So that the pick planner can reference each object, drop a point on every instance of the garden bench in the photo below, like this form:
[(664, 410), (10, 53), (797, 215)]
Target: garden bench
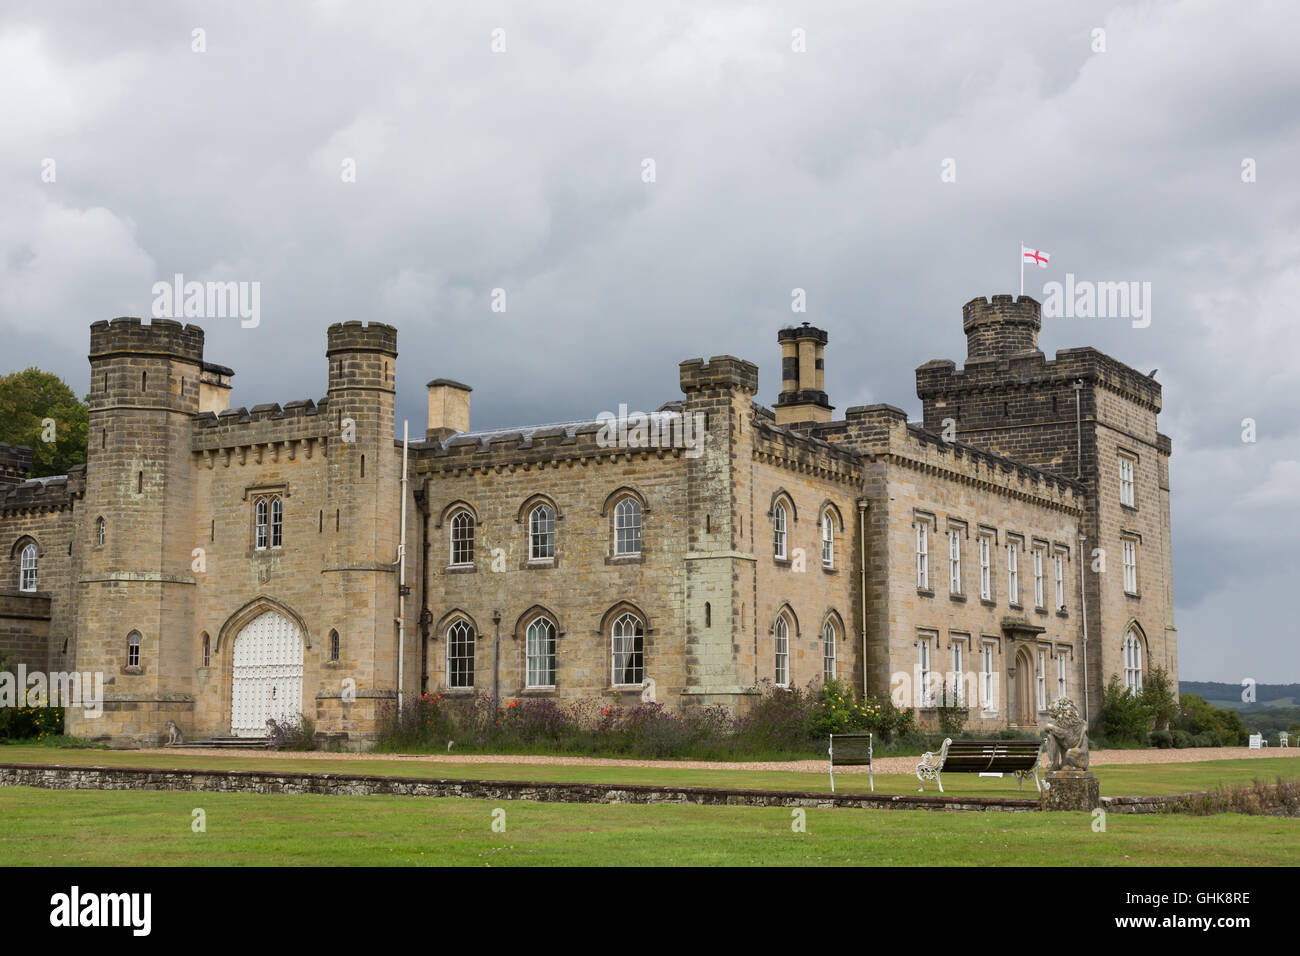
[(851, 750), (1284, 739), (1257, 741), (993, 757)]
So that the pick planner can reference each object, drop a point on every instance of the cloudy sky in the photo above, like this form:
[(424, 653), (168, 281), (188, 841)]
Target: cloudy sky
[(523, 169)]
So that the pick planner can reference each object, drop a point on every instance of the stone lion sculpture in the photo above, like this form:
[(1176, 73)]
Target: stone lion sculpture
[(1067, 737), (174, 736)]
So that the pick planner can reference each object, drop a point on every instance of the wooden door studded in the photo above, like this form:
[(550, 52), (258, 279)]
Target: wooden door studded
[(267, 675)]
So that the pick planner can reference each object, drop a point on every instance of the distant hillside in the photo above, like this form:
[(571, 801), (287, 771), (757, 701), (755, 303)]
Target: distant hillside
[(1229, 695)]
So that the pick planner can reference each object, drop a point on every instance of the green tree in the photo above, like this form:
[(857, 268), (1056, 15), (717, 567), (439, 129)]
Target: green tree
[(1124, 716), (1197, 717), (36, 406), (1158, 696)]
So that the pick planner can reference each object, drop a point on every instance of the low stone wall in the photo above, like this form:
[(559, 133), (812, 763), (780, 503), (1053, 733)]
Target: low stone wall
[(1273, 799), (259, 781)]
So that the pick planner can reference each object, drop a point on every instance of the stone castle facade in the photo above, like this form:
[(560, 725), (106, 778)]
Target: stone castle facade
[(221, 566)]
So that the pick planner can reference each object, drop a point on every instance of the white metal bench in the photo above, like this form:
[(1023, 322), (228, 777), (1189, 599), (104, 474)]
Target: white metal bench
[(985, 757)]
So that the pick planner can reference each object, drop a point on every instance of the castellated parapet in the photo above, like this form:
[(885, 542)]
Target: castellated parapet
[(1001, 327), (15, 463), (131, 336), (721, 371)]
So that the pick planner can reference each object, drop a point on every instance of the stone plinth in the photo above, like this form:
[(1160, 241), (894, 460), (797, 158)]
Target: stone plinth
[(1070, 790)]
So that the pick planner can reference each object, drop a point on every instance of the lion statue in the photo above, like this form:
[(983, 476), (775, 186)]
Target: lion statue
[(1067, 737)]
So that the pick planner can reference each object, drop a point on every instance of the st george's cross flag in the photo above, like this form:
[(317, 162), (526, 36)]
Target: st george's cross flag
[(1031, 255)]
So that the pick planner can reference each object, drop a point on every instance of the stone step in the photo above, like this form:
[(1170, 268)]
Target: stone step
[(228, 743)]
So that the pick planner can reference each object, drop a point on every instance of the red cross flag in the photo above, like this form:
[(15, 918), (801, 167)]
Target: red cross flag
[(1037, 256)]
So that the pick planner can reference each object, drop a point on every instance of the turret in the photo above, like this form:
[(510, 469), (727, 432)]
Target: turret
[(1001, 328), (145, 385)]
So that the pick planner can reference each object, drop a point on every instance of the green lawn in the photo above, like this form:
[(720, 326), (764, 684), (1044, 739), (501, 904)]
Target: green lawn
[(1115, 780), (98, 828)]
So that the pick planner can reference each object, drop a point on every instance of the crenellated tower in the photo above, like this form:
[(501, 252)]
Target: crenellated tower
[(1085, 416), (719, 581), (363, 482), (136, 589)]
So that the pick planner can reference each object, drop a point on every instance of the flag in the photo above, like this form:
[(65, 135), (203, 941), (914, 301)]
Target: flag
[(1034, 255)]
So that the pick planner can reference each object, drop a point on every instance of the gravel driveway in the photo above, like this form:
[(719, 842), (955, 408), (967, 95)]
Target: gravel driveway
[(1100, 758)]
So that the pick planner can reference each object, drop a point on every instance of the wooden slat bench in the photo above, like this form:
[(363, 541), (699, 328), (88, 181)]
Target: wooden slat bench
[(851, 750), (1019, 757)]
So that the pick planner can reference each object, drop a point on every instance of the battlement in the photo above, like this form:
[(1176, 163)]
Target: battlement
[(721, 371), (550, 444), (869, 426), (358, 336), (779, 444), (132, 336), (926, 448), (44, 494), (942, 379), (263, 424), (15, 463), (1001, 327)]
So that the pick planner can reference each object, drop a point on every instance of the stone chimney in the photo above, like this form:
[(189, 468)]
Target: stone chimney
[(214, 388), (803, 376), (448, 409)]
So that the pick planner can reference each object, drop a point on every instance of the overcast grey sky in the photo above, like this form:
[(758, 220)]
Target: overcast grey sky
[(774, 170)]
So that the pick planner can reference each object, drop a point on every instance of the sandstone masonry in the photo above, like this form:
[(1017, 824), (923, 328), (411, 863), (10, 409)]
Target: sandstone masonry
[(222, 565)]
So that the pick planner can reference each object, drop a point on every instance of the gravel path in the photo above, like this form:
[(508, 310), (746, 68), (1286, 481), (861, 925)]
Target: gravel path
[(882, 764)]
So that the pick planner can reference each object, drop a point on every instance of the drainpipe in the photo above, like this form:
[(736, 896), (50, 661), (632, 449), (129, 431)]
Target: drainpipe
[(401, 574), (863, 505), (1078, 428), (426, 616), (1083, 610), (496, 662)]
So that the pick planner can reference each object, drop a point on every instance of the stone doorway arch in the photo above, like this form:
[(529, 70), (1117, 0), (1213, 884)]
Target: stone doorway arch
[(266, 674)]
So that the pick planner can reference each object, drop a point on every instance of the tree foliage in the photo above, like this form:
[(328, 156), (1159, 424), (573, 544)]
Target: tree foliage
[(1158, 696), (37, 405), (1124, 716)]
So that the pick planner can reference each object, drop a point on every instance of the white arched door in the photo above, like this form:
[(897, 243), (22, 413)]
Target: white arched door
[(267, 674)]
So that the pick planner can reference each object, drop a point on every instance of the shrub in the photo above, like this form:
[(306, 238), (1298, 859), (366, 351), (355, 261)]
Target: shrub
[(1124, 716), (539, 720), (293, 734), (780, 720), (1161, 738), (420, 724), (836, 711), (30, 723), (1197, 717), (1182, 738), (1158, 696), (653, 731), (952, 718)]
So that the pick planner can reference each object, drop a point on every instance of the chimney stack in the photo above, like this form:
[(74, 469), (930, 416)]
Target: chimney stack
[(448, 409), (803, 376)]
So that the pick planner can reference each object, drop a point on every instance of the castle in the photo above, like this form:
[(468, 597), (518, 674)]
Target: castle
[(221, 566)]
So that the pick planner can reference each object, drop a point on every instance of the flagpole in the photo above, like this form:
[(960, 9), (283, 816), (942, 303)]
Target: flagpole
[(1022, 267)]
